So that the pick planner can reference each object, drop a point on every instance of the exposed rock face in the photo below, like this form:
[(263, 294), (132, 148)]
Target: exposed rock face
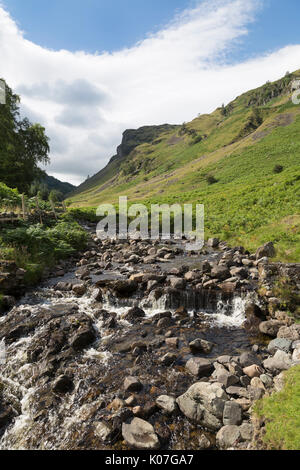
[(140, 435), (204, 403)]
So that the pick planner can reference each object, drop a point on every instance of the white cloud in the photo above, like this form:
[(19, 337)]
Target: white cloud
[(86, 101)]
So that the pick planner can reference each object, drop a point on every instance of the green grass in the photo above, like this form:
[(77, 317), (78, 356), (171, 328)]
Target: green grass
[(282, 414)]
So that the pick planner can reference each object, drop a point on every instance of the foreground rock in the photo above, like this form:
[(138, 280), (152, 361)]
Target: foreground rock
[(140, 435), (203, 403)]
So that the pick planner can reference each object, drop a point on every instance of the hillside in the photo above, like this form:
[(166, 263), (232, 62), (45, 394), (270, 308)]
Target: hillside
[(53, 183), (242, 161)]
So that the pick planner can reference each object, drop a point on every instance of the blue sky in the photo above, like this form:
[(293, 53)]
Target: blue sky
[(98, 25), (142, 62)]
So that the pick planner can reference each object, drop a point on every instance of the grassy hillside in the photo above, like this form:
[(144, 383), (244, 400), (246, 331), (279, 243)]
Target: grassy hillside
[(53, 183), (242, 161)]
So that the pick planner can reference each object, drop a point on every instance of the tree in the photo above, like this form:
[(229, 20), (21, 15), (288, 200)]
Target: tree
[(23, 146), (55, 196)]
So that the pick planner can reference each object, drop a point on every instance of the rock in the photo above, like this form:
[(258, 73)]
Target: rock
[(173, 342), (79, 289), (267, 250), (226, 378), (266, 380), (204, 442), (133, 315), (83, 338), (289, 332), (279, 382), (220, 272), (200, 345), (248, 359), (166, 403), (270, 327), (132, 384), (281, 344), (240, 272), (232, 413), (137, 277), (237, 391), (116, 405), (103, 431), (246, 430), (296, 355), (255, 393), (253, 371), (254, 310), (191, 276), (213, 242), (177, 283), (140, 435), (228, 437), (168, 359), (203, 403), (164, 322), (124, 288), (280, 361), (256, 382), (199, 367), (63, 384)]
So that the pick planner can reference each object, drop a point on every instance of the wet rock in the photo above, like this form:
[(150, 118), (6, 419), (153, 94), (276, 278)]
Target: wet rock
[(164, 322), (199, 367), (79, 289), (82, 339), (267, 250), (228, 437), (200, 345), (6, 416), (253, 309), (134, 315), (63, 384), (220, 272), (172, 342), (177, 283), (103, 431), (191, 276), (280, 361), (270, 327), (213, 242), (281, 344), (204, 443), (203, 403), (140, 435), (240, 272), (132, 384), (63, 286), (166, 403), (232, 414), (137, 277), (124, 288), (168, 359)]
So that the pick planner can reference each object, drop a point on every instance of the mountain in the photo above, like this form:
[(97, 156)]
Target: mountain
[(53, 183), (242, 162)]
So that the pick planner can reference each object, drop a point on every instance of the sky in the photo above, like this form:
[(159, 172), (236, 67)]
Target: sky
[(88, 70)]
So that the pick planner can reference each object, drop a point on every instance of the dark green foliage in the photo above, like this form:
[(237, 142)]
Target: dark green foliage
[(278, 169), (211, 179), (23, 146)]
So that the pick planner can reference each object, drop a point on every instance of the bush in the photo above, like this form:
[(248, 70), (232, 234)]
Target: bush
[(211, 179), (277, 169)]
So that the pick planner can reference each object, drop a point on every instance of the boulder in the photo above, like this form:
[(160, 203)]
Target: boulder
[(213, 242), (168, 359), (200, 346), (270, 327), (63, 384), (248, 359), (132, 384), (232, 413), (289, 332), (140, 435), (253, 371), (220, 272), (177, 283), (280, 361), (228, 437), (79, 289), (133, 315), (281, 344), (166, 403), (199, 367), (203, 403), (83, 338)]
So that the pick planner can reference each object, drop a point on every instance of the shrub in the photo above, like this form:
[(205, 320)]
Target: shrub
[(211, 179), (277, 169)]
